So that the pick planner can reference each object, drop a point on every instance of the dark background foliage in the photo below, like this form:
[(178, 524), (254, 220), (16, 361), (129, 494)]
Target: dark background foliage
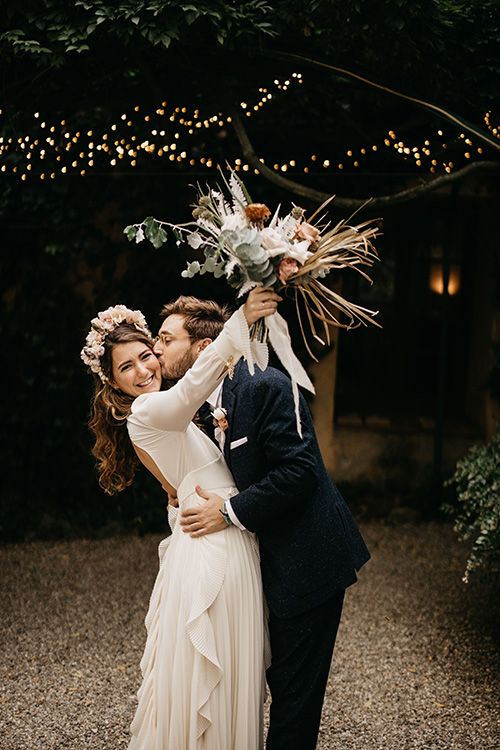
[(65, 257), (64, 254)]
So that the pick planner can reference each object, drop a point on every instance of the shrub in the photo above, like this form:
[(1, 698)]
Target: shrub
[(477, 512)]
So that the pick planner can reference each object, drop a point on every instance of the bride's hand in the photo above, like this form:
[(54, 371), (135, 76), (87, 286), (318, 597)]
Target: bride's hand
[(260, 303), (172, 500)]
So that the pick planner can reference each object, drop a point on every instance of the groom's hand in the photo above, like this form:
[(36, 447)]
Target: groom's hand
[(206, 518)]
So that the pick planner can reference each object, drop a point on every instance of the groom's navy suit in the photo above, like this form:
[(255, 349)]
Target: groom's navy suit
[(310, 546)]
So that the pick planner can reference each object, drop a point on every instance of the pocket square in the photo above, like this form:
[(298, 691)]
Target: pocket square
[(237, 443)]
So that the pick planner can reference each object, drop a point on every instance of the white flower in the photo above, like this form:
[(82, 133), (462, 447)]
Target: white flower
[(93, 338), (274, 242), (112, 317), (298, 251)]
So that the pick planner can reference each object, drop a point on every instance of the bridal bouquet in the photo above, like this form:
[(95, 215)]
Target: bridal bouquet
[(248, 246)]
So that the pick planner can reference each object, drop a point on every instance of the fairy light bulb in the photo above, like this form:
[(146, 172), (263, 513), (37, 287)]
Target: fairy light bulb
[(191, 121)]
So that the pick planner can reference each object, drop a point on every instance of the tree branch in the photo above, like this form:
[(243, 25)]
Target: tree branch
[(380, 201), (439, 111)]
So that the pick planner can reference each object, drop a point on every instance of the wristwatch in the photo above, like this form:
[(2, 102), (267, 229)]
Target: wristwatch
[(225, 515)]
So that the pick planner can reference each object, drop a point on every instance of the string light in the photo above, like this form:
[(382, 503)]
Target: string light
[(494, 129), (118, 149)]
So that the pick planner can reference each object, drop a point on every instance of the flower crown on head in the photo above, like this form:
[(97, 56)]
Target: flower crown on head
[(107, 321)]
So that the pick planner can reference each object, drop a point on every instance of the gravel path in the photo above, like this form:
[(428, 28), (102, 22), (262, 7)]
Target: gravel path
[(416, 663)]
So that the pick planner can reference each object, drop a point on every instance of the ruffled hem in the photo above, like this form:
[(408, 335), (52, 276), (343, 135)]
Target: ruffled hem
[(200, 632)]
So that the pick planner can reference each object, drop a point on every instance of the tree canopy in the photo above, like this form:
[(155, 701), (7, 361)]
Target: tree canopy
[(88, 61), (407, 42)]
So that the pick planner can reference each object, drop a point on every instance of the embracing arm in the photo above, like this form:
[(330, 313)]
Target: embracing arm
[(292, 476)]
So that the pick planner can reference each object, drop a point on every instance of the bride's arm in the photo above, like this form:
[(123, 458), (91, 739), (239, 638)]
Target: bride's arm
[(173, 409)]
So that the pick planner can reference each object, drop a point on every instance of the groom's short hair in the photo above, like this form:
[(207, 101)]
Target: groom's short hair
[(203, 318)]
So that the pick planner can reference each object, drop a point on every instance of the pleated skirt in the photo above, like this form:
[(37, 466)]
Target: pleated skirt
[(204, 662)]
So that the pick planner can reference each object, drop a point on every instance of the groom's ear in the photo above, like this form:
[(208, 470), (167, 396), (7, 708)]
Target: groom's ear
[(202, 344)]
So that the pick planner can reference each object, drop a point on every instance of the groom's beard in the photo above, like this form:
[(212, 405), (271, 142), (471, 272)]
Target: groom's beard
[(177, 370)]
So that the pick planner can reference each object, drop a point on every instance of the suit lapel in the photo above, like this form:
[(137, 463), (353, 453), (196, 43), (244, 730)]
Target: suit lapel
[(229, 404)]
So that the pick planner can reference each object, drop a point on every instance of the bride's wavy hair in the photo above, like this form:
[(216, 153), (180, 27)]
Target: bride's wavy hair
[(116, 459)]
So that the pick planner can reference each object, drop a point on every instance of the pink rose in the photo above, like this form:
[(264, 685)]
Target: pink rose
[(287, 267), (305, 231)]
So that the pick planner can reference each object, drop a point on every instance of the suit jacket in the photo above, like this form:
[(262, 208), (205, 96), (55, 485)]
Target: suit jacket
[(310, 546)]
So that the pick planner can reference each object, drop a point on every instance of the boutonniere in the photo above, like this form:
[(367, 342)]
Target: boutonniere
[(220, 418)]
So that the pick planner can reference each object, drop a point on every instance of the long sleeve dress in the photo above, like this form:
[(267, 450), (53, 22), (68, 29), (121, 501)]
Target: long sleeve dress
[(203, 664)]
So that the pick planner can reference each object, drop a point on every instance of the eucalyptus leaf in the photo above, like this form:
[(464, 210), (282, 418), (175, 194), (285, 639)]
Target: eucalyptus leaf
[(130, 232)]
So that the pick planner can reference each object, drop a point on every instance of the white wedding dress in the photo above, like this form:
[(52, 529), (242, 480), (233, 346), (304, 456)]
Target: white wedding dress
[(203, 665)]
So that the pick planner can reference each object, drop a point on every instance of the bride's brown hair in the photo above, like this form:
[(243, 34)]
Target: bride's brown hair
[(116, 459)]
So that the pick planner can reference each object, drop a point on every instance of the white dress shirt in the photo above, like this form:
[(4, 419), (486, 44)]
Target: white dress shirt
[(215, 400)]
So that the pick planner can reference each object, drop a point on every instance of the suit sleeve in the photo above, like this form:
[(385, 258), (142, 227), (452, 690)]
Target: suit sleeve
[(292, 475)]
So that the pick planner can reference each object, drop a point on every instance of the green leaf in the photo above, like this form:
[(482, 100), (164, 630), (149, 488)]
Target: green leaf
[(130, 232), (154, 232)]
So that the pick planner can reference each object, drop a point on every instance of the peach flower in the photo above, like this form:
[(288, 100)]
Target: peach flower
[(220, 418), (287, 267), (305, 231)]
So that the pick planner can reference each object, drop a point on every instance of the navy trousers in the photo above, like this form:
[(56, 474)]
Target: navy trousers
[(302, 648)]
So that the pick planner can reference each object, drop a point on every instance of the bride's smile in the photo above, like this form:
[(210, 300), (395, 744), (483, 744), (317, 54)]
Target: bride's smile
[(135, 368)]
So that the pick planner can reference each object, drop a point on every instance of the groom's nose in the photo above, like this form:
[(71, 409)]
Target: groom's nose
[(158, 348)]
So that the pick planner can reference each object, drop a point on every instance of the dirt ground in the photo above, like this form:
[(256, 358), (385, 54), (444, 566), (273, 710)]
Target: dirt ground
[(416, 663)]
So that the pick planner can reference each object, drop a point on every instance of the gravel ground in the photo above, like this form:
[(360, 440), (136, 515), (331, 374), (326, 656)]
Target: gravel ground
[(416, 663)]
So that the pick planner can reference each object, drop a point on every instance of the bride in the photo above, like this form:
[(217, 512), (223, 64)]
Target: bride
[(203, 664)]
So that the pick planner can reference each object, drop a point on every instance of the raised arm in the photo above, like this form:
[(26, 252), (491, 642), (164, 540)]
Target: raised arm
[(173, 409)]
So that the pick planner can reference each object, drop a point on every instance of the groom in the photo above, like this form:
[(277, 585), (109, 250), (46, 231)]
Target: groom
[(310, 546)]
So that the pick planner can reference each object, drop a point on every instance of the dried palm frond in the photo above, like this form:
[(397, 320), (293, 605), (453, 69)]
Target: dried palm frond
[(343, 246)]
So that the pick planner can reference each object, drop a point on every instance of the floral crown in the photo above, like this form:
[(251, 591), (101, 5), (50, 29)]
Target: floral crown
[(107, 321)]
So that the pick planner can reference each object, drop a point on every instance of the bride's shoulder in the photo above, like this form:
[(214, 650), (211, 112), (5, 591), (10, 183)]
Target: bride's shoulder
[(143, 405)]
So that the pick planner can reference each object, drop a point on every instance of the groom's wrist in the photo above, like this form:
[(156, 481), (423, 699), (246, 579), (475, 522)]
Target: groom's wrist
[(225, 515), (232, 515)]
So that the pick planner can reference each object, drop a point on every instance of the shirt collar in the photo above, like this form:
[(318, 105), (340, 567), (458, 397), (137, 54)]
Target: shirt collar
[(215, 398)]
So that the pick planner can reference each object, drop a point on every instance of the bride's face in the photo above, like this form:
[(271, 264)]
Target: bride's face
[(135, 368)]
